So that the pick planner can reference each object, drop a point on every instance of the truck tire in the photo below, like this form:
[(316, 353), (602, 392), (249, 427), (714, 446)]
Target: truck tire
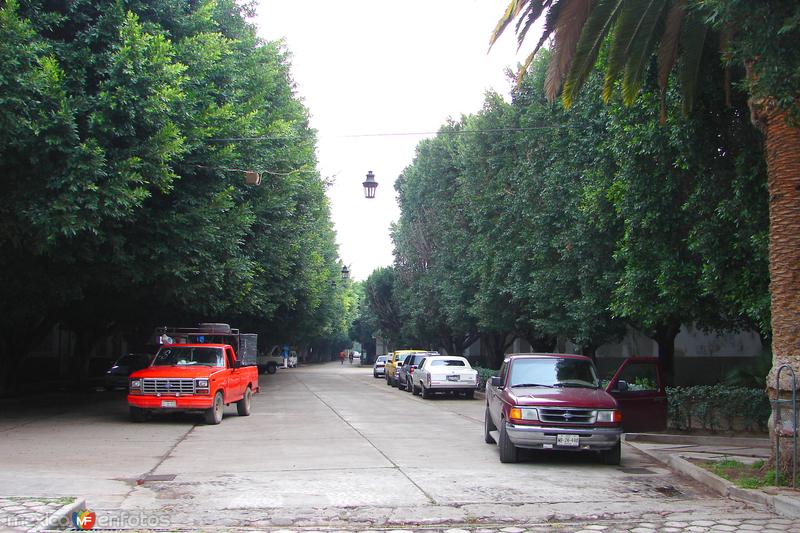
[(426, 394), (488, 427), (508, 452), (213, 415), (469, 395), (138, 414), (612, 456), (243, 405), (272, 367), (215, 327)]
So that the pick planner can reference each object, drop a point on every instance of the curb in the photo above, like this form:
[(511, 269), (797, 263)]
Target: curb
[(701, 440), (59, 520), (782, 505)]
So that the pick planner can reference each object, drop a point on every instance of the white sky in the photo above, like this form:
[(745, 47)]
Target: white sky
[(375, 66)]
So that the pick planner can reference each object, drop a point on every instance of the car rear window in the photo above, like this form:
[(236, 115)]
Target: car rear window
[(447, 362), (381, 359)]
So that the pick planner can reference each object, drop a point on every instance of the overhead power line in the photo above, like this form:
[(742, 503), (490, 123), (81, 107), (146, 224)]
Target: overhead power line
[(390, 134)]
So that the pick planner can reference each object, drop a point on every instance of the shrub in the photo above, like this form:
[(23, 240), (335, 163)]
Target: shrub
[(718, 407), (484, 374)]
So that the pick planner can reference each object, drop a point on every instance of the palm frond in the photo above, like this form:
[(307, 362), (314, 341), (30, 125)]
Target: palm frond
[(592, 36), (626, 33), (693, 40), (641, 50), (668, 52), (571, 20), (531, 15), (513, 9), (550, 21)]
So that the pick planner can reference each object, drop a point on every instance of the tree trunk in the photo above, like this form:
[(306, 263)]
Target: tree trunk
[(665, 337), (783, 183)]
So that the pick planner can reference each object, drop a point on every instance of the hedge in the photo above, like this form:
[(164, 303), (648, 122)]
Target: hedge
[(718, 407)]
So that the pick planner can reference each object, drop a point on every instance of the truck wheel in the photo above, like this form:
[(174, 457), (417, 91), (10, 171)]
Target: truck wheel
[(469, 395), (612, 456), (213, 415), (488, 427), (426, 394), (272, 367), (508, 452), (138, 414), (243, 405)]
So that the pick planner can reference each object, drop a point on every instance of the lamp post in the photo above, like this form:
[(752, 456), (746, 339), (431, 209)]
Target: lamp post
[(370, 185), (345, 273)]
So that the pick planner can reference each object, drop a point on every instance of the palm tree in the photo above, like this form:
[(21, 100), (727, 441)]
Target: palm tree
[(760, 35)]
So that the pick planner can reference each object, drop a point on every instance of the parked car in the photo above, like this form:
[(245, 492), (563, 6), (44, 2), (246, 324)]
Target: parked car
[(444, 373), (555, 401), (379, 367), (410, 364), (394, 362), (117, 375)]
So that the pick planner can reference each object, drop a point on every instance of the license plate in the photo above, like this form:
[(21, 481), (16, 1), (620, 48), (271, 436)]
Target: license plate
[(171, 403), (452, 378), (567, 440)]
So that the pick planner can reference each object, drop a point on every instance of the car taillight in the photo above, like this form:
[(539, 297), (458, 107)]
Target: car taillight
[(429, 380)]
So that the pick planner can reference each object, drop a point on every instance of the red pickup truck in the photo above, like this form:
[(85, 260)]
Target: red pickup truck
[(556, 401), (193, 377)]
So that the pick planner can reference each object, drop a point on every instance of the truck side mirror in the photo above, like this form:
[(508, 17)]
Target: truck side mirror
[(495, 381), (237, 364)]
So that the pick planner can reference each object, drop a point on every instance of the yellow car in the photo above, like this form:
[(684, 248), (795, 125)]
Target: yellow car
[(394, 362)]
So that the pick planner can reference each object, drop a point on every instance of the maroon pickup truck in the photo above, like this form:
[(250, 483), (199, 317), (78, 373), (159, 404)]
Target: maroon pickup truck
[(556, 401)]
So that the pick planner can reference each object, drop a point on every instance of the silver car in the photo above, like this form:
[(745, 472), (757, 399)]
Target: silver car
[(379, 368)]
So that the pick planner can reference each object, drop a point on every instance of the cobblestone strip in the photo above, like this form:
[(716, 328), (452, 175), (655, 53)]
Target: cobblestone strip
[(28, 514), (770, 525)]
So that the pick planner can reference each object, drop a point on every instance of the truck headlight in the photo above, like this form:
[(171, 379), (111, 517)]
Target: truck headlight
[(523, 413), (609, 416), (202, 383), (136, 384)]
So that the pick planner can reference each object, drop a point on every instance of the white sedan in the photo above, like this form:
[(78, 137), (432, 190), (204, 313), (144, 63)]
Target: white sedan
[(444, 373)]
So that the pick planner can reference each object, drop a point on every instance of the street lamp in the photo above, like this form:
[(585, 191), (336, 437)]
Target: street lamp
[(370, 185), (345, 273)]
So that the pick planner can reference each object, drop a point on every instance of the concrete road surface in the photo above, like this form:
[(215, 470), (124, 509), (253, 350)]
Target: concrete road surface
[(326, 446)]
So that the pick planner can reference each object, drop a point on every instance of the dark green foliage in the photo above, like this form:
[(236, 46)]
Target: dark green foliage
[(121, 206), (528, 220), (718, 407)]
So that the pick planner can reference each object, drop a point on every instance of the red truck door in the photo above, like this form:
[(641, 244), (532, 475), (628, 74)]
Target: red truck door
[(639, 389), (235, 378)]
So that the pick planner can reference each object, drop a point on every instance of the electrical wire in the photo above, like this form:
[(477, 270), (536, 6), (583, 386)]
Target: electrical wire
[(391, 134)]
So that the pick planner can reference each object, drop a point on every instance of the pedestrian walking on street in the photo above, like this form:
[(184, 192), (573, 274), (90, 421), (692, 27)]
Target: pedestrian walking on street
[(341, 357), (351, 358)]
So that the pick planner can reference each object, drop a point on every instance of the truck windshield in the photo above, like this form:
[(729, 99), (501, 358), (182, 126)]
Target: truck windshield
[(553, 372), (189, 356)]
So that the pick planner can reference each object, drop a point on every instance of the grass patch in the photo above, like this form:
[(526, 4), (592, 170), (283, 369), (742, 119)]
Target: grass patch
[(744, 475)]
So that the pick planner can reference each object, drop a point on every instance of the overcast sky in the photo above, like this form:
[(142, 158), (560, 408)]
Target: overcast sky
[(366, 67)]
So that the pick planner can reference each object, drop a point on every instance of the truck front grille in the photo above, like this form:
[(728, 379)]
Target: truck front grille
[(567, 416), (167, 386)]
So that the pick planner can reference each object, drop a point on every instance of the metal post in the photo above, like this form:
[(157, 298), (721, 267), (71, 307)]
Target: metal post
[(779, 423)]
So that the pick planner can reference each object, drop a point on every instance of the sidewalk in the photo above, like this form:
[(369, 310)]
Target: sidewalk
[(37, 514), (678, 451)]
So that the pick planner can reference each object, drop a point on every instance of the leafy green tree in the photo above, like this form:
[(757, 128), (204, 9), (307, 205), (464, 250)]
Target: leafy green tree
[(758, 42)]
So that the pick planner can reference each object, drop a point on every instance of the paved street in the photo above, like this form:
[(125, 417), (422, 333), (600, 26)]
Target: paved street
[(330, 447)]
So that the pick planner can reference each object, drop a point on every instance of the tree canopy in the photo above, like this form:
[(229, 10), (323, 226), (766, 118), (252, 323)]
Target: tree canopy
[(122, 161)]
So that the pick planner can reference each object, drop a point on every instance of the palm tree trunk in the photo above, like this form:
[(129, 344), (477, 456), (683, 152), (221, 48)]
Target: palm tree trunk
[(783, 168)]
